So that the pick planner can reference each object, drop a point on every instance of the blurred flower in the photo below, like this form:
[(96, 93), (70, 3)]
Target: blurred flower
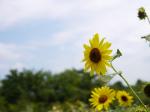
[(147, 90), (141, 13), (124, 98), (97, 55), (102, 97), (147, 37)]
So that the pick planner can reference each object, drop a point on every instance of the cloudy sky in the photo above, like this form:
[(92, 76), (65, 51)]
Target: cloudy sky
[(49, 34)]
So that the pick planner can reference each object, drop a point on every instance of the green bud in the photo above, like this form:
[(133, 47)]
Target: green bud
[(141, 13), (117, 55)]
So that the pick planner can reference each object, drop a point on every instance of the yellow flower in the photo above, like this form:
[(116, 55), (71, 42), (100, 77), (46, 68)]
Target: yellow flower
[(102, 97), (124, 98), (97, 55)]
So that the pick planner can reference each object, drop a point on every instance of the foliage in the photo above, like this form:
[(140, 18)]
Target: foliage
[(42, 91)]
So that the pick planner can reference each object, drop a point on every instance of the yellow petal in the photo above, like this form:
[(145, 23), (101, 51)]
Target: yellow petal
[(101, 43), (97, 70), (106, 57), (103, 69), (92, 71), (108, 52), (96, 40), (86, 46), (99, 107), (91, 43), (107, 63), (87, 66), (106, 45)]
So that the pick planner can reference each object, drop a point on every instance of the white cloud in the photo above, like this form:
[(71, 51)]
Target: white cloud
[(116, 20), (60, 38), (13, 56), (18, 65), (8, 52), (13, 12)]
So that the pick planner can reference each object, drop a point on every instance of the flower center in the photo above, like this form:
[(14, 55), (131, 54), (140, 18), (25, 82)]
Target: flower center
[(95, 55), (103, 99), (124, 98)]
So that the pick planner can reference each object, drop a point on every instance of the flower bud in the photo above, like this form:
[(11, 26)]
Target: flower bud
[(141, 13)]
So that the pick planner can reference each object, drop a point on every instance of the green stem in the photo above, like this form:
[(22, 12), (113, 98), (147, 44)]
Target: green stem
[(148, 19), (129, 87)]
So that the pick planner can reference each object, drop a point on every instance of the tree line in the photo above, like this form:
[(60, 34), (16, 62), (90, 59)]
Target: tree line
[(44, 88)]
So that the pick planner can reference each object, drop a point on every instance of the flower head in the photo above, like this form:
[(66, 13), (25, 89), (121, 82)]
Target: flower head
[(141, 13), (147, 90), (102, 97), (124, 98), (97, 55)]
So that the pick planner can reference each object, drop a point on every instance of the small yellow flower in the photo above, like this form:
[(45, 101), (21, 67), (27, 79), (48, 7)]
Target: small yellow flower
[(102, 97), (124, 98), (97, 55)]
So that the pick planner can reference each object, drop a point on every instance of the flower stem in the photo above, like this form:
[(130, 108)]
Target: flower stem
[(120, 74), (148, 19)]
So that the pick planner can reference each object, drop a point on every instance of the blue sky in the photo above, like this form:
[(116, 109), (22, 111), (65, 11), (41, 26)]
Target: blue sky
[(49, 34)]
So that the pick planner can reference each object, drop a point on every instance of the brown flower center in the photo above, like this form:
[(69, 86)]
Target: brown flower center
[(103, 99), (124, 98), (95, 55)]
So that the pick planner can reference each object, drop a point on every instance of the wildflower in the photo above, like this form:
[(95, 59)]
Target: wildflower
[(124, 98), (147, 90), (102, 97), (97, 55), (141, 13)]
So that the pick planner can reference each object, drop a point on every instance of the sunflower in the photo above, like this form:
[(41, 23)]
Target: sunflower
[(124, 98), (102, 97), (97, 55)]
